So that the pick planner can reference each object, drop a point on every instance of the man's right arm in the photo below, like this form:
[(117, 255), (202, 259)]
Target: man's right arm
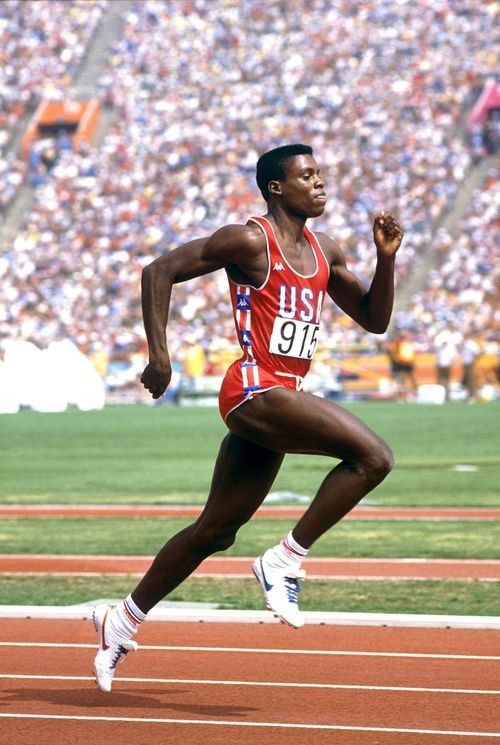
[(158, 278), (232, 244)]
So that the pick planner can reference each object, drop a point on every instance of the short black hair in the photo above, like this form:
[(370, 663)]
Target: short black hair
[(270, 166)]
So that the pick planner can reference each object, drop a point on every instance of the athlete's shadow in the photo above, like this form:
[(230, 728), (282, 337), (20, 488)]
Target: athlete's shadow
[(188, 702)]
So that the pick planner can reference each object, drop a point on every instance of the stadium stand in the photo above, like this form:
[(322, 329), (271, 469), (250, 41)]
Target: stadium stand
[(380, 90), (40, 51)]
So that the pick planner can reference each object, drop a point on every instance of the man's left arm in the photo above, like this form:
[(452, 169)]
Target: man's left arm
[(372, 307)]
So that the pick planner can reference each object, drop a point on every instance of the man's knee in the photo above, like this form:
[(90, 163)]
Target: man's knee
[(210, 539), (378, 464), (374, 464)]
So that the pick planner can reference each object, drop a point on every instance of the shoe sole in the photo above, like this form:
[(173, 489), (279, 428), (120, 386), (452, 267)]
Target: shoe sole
[(260, 580)]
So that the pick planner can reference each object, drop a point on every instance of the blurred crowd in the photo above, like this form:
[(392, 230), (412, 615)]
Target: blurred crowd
[(461, 294), (42, 45), (200, 89), (457, 314)]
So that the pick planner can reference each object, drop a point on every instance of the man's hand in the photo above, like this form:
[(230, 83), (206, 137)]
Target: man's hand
[(387, 234), (156, 377)]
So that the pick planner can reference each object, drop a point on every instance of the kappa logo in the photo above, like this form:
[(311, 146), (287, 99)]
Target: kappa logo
[(278, 266), (243, 302)]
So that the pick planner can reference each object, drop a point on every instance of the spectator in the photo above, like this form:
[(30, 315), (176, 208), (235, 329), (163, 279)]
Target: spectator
[(446, 352), (469, 352), (402, 361)]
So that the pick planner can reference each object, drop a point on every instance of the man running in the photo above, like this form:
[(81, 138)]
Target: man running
[(279, 275)]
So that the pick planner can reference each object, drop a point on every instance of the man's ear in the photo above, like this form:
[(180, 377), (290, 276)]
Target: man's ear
[(274, 187)]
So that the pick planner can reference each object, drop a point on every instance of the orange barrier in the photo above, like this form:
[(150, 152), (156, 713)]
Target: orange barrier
[(365, 372), (370, 372), (78, 118)]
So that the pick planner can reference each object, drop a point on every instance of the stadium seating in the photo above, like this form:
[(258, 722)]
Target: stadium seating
[(379, 90)]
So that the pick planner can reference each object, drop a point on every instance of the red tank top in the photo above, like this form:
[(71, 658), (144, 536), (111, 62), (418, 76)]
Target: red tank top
[(277, 323)]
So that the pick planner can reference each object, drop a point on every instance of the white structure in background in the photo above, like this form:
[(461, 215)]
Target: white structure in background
[(48, 380), (9, 397)]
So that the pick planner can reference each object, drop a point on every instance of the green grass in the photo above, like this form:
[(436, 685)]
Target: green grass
[(359, 538), (138, 454), (427, 596), (165, 455)]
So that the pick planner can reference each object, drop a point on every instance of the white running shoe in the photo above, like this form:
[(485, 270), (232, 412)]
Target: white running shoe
[(108, 655), (281, 592)]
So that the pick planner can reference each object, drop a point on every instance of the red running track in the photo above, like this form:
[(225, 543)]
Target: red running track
[(252, 685), (238, 567), (358, 513)]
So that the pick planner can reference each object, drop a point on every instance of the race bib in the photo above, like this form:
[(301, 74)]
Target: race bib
[(292, 338)]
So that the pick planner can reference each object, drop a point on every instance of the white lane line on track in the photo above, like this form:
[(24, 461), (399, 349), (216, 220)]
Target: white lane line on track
[(259, 683), (264, 650), (226, 723)]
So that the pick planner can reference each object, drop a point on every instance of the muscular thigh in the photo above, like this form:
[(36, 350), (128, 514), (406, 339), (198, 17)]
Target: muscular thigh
[(244, 472), (296, 422)]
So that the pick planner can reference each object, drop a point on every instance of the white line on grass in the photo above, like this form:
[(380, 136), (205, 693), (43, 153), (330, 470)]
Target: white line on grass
[(225, 723)]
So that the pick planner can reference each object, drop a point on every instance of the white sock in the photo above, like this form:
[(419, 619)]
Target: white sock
[(123, 621), (287, 555)]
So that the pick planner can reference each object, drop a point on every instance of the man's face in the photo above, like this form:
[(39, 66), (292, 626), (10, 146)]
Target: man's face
[(302, 190)]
